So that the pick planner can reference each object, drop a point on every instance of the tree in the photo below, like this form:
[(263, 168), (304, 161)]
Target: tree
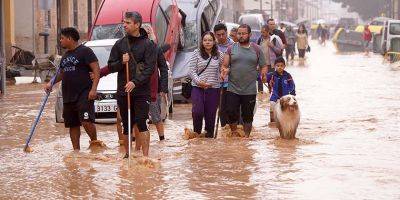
[(365, 8)]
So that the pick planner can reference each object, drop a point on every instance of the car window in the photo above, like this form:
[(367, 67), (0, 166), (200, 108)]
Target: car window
[(102, 54), (191, 36), (111, 31), (210, 12), (166, 5), (162, 26), (394, 29)]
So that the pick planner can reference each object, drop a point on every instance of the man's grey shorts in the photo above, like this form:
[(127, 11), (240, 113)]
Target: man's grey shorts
[(155, 110)]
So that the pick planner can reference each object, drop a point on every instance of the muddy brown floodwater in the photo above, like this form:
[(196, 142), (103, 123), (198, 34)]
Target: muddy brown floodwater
[(348, 146)]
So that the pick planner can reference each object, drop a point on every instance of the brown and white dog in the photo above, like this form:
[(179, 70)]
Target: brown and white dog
[(287, 115)]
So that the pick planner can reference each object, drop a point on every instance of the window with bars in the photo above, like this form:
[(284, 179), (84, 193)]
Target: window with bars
[(48, 18)]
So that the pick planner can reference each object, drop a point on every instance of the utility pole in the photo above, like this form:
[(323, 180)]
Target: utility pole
[(2, 56), (272, 9)]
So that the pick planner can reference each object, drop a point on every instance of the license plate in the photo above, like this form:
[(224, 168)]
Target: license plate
[(103, 107)]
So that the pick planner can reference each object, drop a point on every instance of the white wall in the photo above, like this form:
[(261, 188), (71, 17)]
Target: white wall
[(23, 24)]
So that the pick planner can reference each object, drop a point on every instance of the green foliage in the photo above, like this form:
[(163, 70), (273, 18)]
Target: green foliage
[(365, 8)]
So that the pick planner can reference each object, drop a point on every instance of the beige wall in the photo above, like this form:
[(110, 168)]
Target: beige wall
[(20, 16), (9, 34)]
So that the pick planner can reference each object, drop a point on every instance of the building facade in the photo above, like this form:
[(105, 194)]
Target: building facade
[(27, 21), (2, 66), (231, 10)]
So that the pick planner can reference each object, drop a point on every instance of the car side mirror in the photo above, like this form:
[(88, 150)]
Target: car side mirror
[(165, 47)]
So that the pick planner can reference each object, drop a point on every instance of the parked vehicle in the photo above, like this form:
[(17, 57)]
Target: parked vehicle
[(200, 16), (230, 25), (163, 15), (105, 109), (256, 22), (391, 36), (106, 106), (348, 23)]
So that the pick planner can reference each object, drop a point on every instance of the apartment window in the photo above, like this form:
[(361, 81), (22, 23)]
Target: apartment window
[(48, 18), (75, 12), (89, 4)]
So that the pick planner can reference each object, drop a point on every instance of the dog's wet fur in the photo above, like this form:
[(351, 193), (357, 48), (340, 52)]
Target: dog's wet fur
[(287, 115)]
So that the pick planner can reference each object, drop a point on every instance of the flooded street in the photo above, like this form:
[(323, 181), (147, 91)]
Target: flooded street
[(347, 147)]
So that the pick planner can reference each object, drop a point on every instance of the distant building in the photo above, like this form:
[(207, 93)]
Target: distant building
[(287, 10), (393, 8), (231, 10), (25, 20)]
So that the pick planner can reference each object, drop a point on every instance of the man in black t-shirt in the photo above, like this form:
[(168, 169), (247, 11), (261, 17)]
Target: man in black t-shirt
[(78, 89)]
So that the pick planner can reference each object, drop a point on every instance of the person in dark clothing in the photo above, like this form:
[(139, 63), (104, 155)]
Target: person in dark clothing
[(139, 52), (78, 89), (274, 31), (223, 42), (159, 86), (280, 83)]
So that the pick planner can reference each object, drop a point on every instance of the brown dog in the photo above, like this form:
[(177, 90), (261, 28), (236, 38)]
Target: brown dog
[(287, 115)]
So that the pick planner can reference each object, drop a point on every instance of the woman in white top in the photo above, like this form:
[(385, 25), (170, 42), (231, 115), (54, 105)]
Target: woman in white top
[(204, 66), (302, 42)]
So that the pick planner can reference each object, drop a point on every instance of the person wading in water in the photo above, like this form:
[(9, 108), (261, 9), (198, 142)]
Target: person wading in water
[(78, 89), (140, 54), (241, 62)]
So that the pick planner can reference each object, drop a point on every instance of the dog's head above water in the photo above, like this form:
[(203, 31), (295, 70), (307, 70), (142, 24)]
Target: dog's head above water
[(288, 102)]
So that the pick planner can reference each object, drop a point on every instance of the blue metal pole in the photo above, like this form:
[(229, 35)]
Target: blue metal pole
[(44, 101)]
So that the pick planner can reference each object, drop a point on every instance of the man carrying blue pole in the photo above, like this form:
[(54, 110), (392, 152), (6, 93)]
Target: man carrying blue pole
[(78, 89)]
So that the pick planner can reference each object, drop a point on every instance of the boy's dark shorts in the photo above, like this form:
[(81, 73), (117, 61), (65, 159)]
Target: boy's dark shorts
[(82, 110)]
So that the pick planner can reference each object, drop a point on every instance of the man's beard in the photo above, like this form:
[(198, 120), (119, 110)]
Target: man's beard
[(244, 41)]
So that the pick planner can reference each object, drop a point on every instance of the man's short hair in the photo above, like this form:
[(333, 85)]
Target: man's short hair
[(135, 16), (70, 32), (219, 27), (266, 27), (245, 26), (270, 19), (280, 60)]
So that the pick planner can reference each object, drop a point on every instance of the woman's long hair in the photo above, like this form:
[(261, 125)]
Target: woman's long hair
[(214, 50), (304, 29)]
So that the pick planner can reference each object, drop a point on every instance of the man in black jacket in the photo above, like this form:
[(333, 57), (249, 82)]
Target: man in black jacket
[(139, 52)]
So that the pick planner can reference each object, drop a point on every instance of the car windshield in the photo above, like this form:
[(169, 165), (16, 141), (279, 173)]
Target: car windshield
[(394, 29), (102, 54), (110, 31)]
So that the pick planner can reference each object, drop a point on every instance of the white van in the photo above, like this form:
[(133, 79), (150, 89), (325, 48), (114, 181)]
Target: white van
[(391, 36), (256, 22)]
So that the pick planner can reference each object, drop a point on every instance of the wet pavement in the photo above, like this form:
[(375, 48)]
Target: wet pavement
[(347, 146)]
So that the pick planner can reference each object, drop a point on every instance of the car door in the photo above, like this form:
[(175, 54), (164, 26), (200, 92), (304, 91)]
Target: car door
[(167, 24)]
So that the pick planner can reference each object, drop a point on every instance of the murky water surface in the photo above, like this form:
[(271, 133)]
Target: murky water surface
[(347, 147)]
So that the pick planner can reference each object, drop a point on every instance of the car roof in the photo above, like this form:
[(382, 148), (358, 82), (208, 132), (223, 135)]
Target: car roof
[(100, 43), (112, 10)]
